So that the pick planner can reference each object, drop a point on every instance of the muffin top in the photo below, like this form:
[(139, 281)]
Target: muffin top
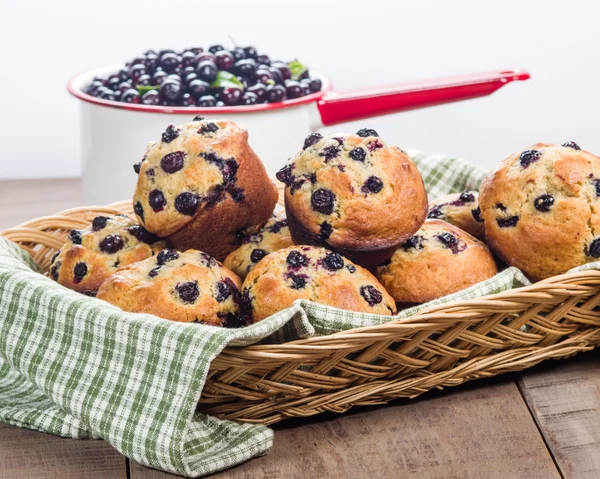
[(315, 274), (275, 235), (354, 191), (92, 254), (438, 260), (541, 209), (461, 210), (192, 166), (186, 287)]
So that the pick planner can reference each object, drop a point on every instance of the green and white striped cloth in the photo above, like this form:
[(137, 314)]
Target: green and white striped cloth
[(78, 367)]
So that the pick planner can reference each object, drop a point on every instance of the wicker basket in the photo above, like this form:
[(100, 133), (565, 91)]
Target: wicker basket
[(442, 346)]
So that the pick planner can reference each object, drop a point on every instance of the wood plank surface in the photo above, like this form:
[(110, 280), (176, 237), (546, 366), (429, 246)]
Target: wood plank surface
[(482, 430), (565, 401), (28, 454), (22, 200)]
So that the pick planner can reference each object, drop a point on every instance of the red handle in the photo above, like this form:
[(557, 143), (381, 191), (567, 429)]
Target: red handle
[(340, 107)]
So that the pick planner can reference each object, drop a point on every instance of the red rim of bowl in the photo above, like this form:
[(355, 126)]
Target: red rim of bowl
[(74, 88)]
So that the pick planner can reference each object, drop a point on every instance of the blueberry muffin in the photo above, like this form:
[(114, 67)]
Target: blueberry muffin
[(186, 287), (92, 254), (275, 235), (202, 186), (541, 209), (315, 274), (439, 259), (461, 210), (353, 194)]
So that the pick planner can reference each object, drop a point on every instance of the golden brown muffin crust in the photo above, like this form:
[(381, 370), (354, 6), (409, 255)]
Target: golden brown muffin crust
[(353, 193), (202, 184), (92, 254), (185, 287), (275, 235), (461, 210), (439, 259), (315, 274), (541, 209)]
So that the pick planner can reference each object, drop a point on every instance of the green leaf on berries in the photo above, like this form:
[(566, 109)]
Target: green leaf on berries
[(297, 69), (225, 79), (142, 89)]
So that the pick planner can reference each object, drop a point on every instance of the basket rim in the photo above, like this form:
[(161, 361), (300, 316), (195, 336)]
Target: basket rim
[(430, 316)]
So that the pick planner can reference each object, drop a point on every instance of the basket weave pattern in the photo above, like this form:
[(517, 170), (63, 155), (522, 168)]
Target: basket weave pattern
[(442, 346)]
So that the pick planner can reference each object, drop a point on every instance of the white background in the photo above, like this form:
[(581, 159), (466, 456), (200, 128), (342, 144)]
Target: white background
[(42, 44)]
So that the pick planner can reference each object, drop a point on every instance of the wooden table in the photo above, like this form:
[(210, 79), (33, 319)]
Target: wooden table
[(543, 423)]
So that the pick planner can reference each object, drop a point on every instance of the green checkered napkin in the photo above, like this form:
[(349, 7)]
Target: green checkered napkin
[(78, 367)]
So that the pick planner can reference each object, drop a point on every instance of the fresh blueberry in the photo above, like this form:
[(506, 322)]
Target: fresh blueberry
[(130, 96), (171, 90), (275, 93), (197, 87), (207, 71), (206, 101), (249, 98), (263, 60), (231, 95), (151, 97), (215, 48)]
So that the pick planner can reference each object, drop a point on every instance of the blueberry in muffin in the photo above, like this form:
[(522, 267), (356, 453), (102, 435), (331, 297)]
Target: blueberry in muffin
[(439, 259), (460, 209), (315, 274), (275, 235), (92, 254), (201, 184), (185, 287), (541, 209), (353, 194)]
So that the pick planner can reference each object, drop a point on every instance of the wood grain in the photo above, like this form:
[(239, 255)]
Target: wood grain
[(564, 399), (482, 431), (28, 454), (24, 200)]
